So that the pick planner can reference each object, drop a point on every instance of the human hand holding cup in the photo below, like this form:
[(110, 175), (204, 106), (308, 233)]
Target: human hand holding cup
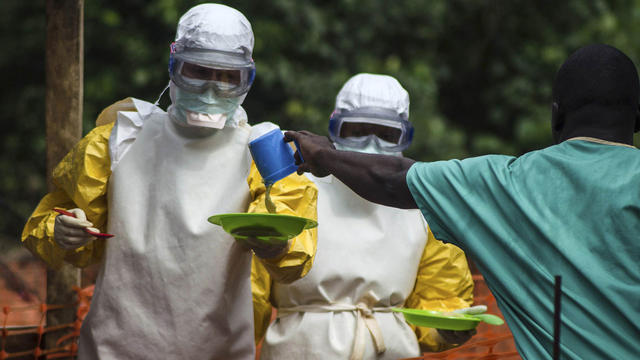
[(312, 147)]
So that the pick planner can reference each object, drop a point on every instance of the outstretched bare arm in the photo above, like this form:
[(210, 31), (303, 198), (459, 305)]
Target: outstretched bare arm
[(378, 178)]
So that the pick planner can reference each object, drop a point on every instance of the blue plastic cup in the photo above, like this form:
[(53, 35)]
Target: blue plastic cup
[(273, 156)]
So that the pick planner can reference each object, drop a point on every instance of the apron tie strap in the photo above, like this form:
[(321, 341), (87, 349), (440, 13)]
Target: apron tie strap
[(364, 316), (364, 319)]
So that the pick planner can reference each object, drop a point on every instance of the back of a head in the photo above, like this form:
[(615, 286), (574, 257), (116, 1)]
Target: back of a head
[(596, 76)]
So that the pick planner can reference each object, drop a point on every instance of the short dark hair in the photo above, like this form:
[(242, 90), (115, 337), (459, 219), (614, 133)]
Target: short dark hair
[(596, 75)]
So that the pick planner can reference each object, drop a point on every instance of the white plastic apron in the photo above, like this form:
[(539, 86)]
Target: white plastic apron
[(172, 285), (367, 261)]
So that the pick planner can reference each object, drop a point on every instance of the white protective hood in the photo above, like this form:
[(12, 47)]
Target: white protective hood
[(214, 27), (372, 90)]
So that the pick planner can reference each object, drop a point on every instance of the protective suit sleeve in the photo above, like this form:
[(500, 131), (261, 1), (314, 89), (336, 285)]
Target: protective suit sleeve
[(294, 195), (443, 283), (81, 181), (261, 292)]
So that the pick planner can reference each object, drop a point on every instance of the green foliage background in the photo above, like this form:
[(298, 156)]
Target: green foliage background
[(479, 72)]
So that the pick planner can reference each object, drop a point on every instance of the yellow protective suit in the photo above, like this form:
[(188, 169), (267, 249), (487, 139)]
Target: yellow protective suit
[(81, 181), (443, 283)]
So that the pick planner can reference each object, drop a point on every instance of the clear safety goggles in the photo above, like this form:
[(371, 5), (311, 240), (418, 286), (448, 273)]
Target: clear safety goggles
[(390, 131), (197, 70)]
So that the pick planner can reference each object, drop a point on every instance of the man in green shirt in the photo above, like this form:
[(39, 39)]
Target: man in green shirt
[(572, 209)]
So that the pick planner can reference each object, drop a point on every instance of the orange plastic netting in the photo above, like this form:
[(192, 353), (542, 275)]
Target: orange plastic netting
[(491, 342), (66, 345)]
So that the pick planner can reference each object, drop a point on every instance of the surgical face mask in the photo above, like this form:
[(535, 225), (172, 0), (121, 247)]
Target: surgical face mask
[(368, 147), (205, 109)]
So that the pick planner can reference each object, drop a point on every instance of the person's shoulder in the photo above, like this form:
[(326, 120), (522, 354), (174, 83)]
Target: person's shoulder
[(467, 163), (135, 111), (479, 169), (110, 113), (491, 159), (127, 118), (100, 133)]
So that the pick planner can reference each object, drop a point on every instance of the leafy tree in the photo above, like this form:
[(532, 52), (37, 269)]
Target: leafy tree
[(479, 73)]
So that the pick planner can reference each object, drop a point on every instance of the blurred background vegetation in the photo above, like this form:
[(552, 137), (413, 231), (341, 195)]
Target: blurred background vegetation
[(479, 72)]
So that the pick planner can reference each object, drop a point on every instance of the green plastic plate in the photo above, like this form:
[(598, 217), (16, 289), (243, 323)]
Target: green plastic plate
[(438, 320), (270, 228)]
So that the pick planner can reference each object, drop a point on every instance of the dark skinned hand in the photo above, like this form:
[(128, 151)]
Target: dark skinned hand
[(311, 147), (262, 249), (456, 336)]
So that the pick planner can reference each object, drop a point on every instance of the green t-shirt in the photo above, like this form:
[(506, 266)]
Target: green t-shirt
[(571, 209)]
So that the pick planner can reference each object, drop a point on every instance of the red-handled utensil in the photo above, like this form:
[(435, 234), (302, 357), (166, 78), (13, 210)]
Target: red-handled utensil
[(93, 233)]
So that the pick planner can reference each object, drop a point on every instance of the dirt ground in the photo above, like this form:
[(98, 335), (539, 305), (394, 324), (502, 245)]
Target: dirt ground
[(22, 287)]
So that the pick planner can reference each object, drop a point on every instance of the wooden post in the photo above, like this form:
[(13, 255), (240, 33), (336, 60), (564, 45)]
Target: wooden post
[(64, 68)]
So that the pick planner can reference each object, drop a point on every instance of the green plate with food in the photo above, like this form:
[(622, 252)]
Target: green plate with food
[(446, 321), (270, 228)]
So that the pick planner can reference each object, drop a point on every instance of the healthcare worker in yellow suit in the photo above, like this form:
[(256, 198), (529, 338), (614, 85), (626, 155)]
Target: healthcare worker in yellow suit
[(370, 258), (171, 285)]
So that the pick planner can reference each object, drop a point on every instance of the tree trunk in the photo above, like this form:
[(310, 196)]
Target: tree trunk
[(64, 77)]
